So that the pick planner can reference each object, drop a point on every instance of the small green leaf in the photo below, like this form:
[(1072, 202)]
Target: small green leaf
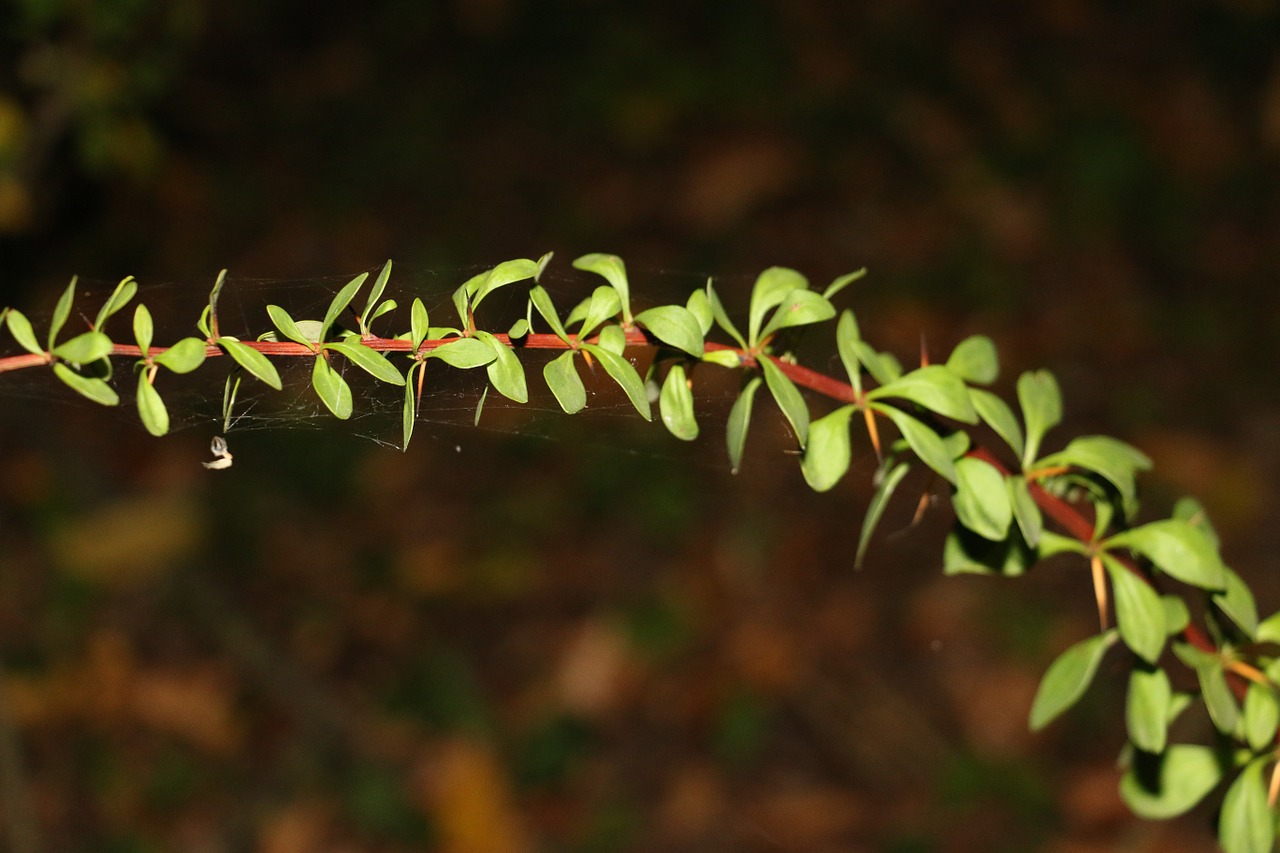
[(1068, 677), (1214, 691), (1269, 629), (84, 348), (155, 417), (87, 386), (798, 308), (505, 371), (981, 500), (379, 284), (723, 357), (997, 415), (974, 360), (1041, 403), (676, 404), (923, 441), (1237, 602), (518, 329), (184, 356), (935, 388), (1158, 787), (62, 311), (419, 323), (229, 390), (464, 353), (210, 329), (507, 272), (542, 301), (602, 305), (842, 282), (882, 366), (1246, 824), (827, 454), (1025, 511), (289, 328), (788, 399), (885, 487), (337, 305), (1261, 716), (251, 360), (621, 371), (332, 389), (1113, 460), (1139, 611), (739, 421), (846, 338), (119, 298), (613, 339), (771, 287), (1146, 710), (543, 262), (675, 326), (1177, 549), (1176, 614), (562, 378), (615, 272), (373, 363), (722, 317), (965, 552), (143, 328), (1052, 544), (700, 307), (409, 410), (20, 328)]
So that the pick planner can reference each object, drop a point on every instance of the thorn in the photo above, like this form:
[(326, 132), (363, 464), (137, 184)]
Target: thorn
[(1099, 590), (921, 507), (924, 351), (873, 431)]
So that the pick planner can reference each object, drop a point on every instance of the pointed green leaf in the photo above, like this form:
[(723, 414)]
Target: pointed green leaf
[(562, 378), (464, 353), (20, 328), (1068, 677), (288, 327), (722, 317), (409, 410), (1247, 824), (419, 323), (1025, 511), (997, 415), (338, 304), (62, 311), (505, 371), (119, 298), (143, 328), (184, 356), (935, 388), (882, 366), (923, 441), (1112, 459), (885, 486), (974, 360), (602, 305), (788, 398), (155, 417), (210, 328), (674, 326), (379, 284), (1052, 544), (615, 272), (507, 272), (846, 338), (965, 552), (1139, 611), (771, 287), (676, 404), (543, 262), (1237, 602), (798, 308), (251, 360), (1041, 403), (542, 301), (332, 389), (739, 421), (1218, 698), (621, 371), (1177, 549), (373, 363), (827, 454), (1146, 710), (981, 500), (1261, 716), (613, 339), (727, 358), (700, 307), (1158, 787), (1176, 614), (87, 386), (842, 282), (84, 348)]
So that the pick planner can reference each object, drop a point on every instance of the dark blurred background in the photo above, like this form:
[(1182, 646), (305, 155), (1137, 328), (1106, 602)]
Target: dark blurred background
[(572, 634)]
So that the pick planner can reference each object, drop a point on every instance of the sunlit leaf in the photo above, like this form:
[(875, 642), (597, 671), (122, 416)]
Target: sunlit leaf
[(419, 323), (464, 353), (722, 317), (1261, 716), (846, 337), (602, 305), (700, 307), (1110, 458), (1237, 602), (409, 409), (1139, 611), (1146, 710), (739, 421), (613, 339), (379, 284), (935, 388), (883, 367), (842, 282), (1041, 403), (155, 417), (62, 311), (923, 441), (798, 308), (143, 328), (1158, 787), (981, 500), (373, 363), (338, 304), (507, 272), (885, 488), (788, 398), (542, 301), (505, 371), (997, 415), (119, 298), (1176, 614), (1177, 549), (621, 371), (1052, 544), (1068, 677), (675, 326), (332, 389), (251, 360), (974, 360), (676, 404), (289, 328), (614, 272), (1025, 511), (543, 262), (84, 348), (827, 453), (771, 287), (184, 356), (87, 386), (1246, 824), (20, 328), (562, 378)]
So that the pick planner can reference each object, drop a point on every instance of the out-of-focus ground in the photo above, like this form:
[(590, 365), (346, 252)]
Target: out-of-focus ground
[(577, 634)]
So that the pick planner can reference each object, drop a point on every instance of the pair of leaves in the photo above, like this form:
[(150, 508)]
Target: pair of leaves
[(183, 357), (786, 294)]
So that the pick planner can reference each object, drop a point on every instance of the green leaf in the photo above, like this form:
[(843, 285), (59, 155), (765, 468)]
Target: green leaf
[(798, 308), (155, 417), (419, 323), (289, 328), (676, 404), (507, 272), (615, 272), (1158, 787), (338, 304), (846, 337), (1052, 544), (621, 371), (974, 360), (965, 552), (1068, 677), (143, 328), (699, 306), (1246, 824), (997, 415), (885, 486), (409, 410), (87, 386), (184, 356), (562, 378), (1041, 403), (1112, 459), (923, 441), (882, 366), (1261, 716), (827, 455), (518, 329), (1146, 710), (119, 298), (62, 311), (210, 329), (332, 389), (251, 360), (1025, 511), (935, 388), (771, 287), (726, 358), (1190, 511), (20, 328), (981, 500), (788, 398), (613, 339), (602, 305), (543, 262), (84, 348), (464, 353), (1139, 611), (842, 282), (739, 421), (505, 371), (1177, 549), (1176, 614), (542, 301), (373, 363), (1218, 698), (1237, 602), (379, 284), (1269, 629), (722, 316), (675, 326)]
